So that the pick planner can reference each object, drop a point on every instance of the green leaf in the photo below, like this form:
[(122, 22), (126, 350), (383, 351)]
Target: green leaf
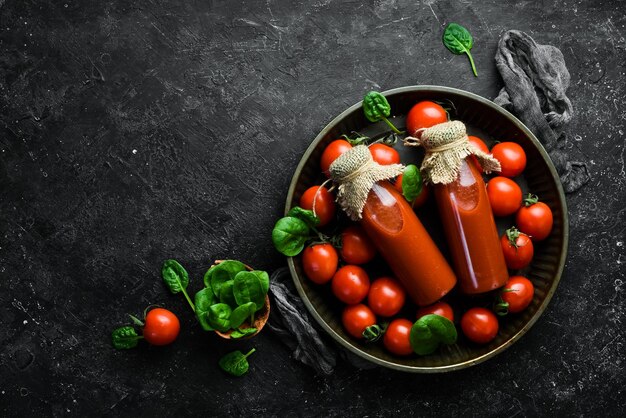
[(175, 276), (411, 182), (248, 288), (226, 294), (241, 313), (265, 281), (304, 214), (459, 41), (242, 332), (429, 331), (218, 316), (221, 273), (375, 106), (203, 301), (289, 235), (124, 338), (235, 363)]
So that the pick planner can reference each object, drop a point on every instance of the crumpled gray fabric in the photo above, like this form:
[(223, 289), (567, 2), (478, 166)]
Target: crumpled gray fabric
[(292, 323), (535, 80)]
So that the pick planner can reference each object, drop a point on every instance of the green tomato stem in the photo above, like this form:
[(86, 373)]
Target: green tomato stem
[(393, 128), (472, 62), (193, 307)]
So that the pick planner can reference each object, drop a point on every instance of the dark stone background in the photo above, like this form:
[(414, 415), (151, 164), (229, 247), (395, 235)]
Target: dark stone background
[(131, 132)]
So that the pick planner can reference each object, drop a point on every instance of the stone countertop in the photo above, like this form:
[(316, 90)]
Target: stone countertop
[(131, 132)]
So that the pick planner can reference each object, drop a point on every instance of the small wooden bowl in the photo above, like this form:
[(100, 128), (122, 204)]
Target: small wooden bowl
[(260, 317)]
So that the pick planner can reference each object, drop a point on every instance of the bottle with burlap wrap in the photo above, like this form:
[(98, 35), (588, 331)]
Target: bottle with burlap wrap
[(463, 204), (366, 196)]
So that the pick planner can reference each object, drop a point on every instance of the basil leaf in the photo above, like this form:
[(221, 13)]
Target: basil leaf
[(289, 235), (265, 281), (203, 301), (175, 276), (218, 316), (241, 313), (124, 338), (429, 331), (242, 332), (459, 41), (221, 273), (236, 363), (304, 214), (226, 294), (411, 182), (247, 288)]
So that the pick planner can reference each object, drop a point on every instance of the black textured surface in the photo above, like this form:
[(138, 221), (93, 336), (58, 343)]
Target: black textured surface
[(134, 132)]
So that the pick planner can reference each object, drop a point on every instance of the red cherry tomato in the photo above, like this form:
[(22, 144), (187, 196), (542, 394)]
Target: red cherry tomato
[(356, 318), (356, 246), (386, 296), (512, 158), (424, 115), (350, 284), (331, 152), (534, 219), (478, 143), (396, 338), (324, 203), (384, 154), (505, 196), (161, 327), (479, 325), (440, 308), (423, 196), (518, 292), (517, 248), (319, 262)]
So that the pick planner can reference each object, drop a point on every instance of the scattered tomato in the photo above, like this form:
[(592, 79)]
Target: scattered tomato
[(319, 262), (478, 143), (505, 196), (386, 296), (324, 203), (512, 158), (356, 246), (356, 318), (384, 154), (424, 115), (518, 292), (423, 196), (480, 325), (396, 338), (440, 308), (517, 248), (534, 219), (331, 152), (161, 327), (350, 284)]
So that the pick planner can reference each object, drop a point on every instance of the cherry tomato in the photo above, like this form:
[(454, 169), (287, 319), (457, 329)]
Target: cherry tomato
[(319, 262), (356, 318), (384, 154), (324, 203), (396, 338), (356, 246), (331, 152), (440, 308), (423, 196), (424, 115), (518, 292), (161, 327), (350, 284), (517, 248), (479, 325), (534, 219), (512, 158), (505, 196), (478, 143), (386, 296)]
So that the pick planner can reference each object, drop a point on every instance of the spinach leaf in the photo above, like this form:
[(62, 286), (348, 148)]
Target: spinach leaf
[(242, 332), (429, 331), (236, 363), (204, 299), (265, 281), (218, 316), (247, 288), (241, 313), (289, 235), (124, 338), (304, 214), (459, 41), (411, 182), (376, 107), (176, 278), (226, 294), (221, 273)]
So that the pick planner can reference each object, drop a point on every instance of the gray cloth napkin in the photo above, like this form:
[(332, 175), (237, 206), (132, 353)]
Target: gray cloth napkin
[(535, 80)]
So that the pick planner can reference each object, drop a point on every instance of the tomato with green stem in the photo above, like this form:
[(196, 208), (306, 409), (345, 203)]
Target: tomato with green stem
[(324, 203), (396, 339), (331, 152), (384, 154), (356, 246), (424, 114), (505, 196), (386, 296), (350, 284), (480, 325), (517, 248), (512, 158), (534, 218), (319, 262), (356, 318), (518, 293), (161, 327)]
